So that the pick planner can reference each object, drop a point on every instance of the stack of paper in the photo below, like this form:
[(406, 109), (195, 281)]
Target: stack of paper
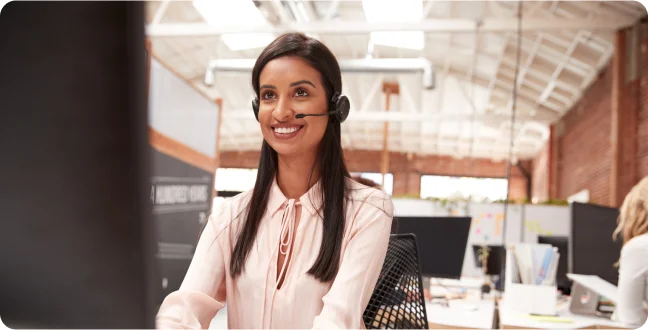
[(535, 264)]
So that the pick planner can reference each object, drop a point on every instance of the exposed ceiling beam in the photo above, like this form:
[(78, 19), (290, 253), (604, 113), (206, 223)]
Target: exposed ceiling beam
[(375, 135), (159, 13), (497, 153), (501, 92), (309, 10), (280, 10), (546, 77), (349, 88), (333, 9), (427, 9), (381, 115), (375, 65), (369, 97), (364, 27), (498, 65)]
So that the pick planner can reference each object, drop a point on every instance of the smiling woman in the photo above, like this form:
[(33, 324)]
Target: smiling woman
[(304, 247)]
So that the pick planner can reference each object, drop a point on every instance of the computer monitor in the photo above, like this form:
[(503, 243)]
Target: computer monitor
[(562, 244), (442, 243), (593, 250), (76, 245), (496, 254)]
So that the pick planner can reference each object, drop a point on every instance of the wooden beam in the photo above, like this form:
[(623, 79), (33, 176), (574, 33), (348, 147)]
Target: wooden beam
[(148, 66), (389, 89), (179, 150), (219, 103), (618, 82)]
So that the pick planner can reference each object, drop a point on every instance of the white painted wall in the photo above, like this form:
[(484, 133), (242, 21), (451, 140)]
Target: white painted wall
[(180, 112), (411, 207)]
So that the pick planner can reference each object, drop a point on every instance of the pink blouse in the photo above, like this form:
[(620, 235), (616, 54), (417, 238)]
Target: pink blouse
[(254, 299)]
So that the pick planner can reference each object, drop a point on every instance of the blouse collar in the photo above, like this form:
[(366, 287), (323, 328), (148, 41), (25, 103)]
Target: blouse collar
[(310, 201)]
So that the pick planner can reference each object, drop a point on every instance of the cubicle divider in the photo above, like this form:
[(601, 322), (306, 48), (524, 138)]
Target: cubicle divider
[(593, 250), (545, 220), (524, 223), (487, 228)]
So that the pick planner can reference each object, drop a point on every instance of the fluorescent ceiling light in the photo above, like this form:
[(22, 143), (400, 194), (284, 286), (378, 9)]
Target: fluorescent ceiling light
[(232, 13), (241, 41), (389, 11), (403, 11), (409, 39)]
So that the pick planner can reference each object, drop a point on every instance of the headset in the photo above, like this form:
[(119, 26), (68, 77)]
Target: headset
[(339, 103)]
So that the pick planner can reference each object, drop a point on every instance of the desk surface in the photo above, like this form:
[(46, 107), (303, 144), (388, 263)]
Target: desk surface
[(220, 320), (464, 282), (460, 314), (512, 319), (464, 314)]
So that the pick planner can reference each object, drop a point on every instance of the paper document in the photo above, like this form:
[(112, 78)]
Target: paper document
[(554, 319), (596, 284)]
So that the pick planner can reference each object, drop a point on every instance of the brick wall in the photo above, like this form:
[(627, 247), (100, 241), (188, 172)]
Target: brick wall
[(642, 133), (579, 153), (407, 171), (540, 175), (642, 116), (583, 144)]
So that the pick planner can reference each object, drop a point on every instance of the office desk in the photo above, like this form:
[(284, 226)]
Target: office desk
[(465, 283), (220, 320), (460, 315), (510, 319), (456, 316)]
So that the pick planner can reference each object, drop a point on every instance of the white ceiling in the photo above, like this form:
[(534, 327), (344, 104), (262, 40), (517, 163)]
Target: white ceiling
[(467, 114)]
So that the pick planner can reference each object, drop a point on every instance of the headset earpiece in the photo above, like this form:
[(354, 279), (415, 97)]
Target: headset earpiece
[(341, 106), (255, 108), (339, 103)]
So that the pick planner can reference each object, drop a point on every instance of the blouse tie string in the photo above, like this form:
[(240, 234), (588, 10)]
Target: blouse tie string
[(285, 246)]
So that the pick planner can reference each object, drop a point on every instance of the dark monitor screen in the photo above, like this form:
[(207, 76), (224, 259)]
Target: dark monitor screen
[(496, 256), (593, 250), (441, 241), (76, 245)]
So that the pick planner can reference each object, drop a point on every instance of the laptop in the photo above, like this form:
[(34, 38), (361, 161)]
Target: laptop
[(592, 296)]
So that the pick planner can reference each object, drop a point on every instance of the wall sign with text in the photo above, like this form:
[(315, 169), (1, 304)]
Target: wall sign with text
[(181, 197)]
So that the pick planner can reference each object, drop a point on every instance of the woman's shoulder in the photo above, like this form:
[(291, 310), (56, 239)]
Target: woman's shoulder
[(230, 211), (368, 198), (637, 245)]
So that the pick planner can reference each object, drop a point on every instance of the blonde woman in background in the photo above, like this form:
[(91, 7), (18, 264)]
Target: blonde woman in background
[(632, 306)]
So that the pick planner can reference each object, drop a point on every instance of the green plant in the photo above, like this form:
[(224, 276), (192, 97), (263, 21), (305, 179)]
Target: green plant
[(555, 202), (484, 252)]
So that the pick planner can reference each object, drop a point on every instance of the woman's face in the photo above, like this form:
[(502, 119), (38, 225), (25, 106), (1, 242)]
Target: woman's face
[(289, 86)]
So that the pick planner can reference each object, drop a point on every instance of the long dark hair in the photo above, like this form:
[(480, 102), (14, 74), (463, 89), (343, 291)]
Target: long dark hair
[(330, 162)]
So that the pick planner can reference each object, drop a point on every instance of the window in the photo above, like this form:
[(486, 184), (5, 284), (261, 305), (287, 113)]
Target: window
[(479, 189), (388, 187), (235, 179)]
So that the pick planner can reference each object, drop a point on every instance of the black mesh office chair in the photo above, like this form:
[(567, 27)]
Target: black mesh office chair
[(397, 301)]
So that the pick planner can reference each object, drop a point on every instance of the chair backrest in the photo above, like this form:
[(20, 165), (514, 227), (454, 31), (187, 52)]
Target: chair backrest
[(397, 301)]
